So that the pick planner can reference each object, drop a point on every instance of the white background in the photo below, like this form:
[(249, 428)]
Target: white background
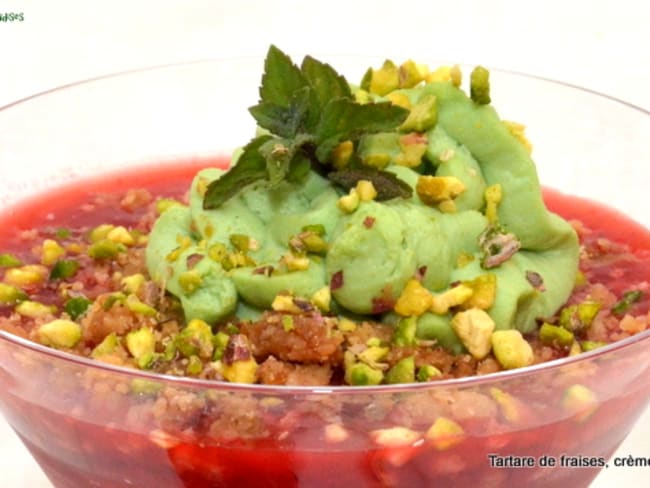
[(601, 45)]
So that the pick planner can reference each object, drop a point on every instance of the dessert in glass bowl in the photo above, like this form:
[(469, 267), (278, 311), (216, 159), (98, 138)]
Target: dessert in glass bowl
[(376, 291)]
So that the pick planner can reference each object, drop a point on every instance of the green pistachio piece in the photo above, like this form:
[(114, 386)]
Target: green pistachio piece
[(60, 333), (141, 344), (405, 329), (402, 372), (552, 334), (10, 295)]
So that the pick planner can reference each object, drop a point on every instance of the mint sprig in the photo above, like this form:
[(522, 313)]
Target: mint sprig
[(308, 111)]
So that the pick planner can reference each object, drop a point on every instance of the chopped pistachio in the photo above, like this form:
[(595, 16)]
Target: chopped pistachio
[(10, 295), (580, 401), (238, 365), (366, 190), (399, 99), (402, 372), (241, 242), (395, 436), (411, 152), (322, 298), (456, 75), (120, 235), (497, 245), (423, 115), (519, 132), (100, 232), (287, 323), (579, 317), (194, 365), (628, 299), (313, 242), (427, 372), (104, 249), (140, 386), (51, 251), (295, 263), (190, 281), (480, 85), (587, 346), (575, 348), (220, 342), (170, 349), (141, 344), (164, 204), (106, 347), (195, 339), (474, 328), (415, 299), (132, 283), (342, 153), (373, 355), (551, 334), (441, 303), (76, 307), (29, 274), (361, 96), (444, 433), (442, 73), (410, 74), (9, 261), (64, 269), (510, 407), (347, 325), (361, 374), (484, 289), (112, 299), (373, 342), (433, 190), (511, 349), (135, 305), (284, 303), (493, 195), (318, 229), (377, 160), (349, 203), (218, 252), (33, 309), (60, 333), (384, 80), (404, 334)]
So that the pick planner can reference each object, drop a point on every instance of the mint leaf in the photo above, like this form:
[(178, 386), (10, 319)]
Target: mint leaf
[(387, 184), (308, 111), (300, 167), (344, 119), (284, 121), (282, 155), (281, 78), (250, 167), (324, 80), (278, 154)]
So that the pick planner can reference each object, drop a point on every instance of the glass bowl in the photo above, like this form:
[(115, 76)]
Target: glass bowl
[(87, 424)]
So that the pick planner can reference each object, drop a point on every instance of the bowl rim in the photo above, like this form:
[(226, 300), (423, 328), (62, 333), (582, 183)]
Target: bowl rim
[(164, 66), (464, 382)]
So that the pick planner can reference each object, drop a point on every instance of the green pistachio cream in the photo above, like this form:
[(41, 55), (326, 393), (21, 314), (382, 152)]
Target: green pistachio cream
[(400, 197)]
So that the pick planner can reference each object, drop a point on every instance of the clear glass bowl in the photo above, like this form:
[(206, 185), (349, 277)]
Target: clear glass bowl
[(86, 427)]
